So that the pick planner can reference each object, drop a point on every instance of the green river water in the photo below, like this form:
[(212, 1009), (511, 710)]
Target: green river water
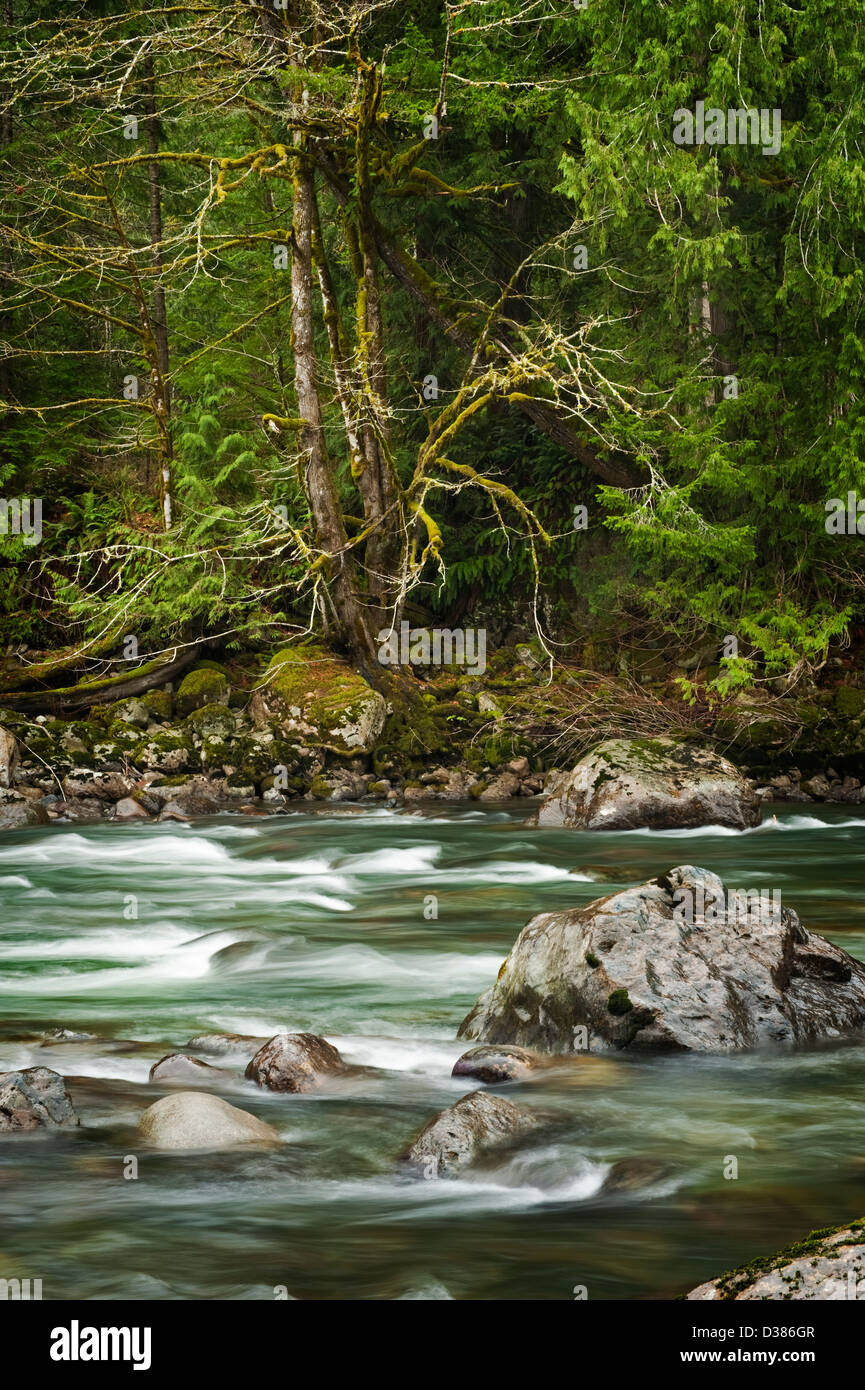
[(314, 920)]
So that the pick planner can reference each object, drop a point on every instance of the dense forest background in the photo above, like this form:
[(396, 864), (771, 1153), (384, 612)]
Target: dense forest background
[(316, 316)]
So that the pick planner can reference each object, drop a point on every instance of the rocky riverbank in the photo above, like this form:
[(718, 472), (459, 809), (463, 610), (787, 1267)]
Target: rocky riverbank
[(303, 725)]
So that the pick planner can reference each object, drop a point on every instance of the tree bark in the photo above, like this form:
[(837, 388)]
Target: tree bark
[(340, 568), (159, 317)]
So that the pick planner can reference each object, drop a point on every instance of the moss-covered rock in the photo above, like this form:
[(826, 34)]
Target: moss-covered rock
[(850, 702), (132, 711), (170, 750), (125, 736), (625, 784), (309, 692), (201, 687), (159, 703), (211, 721)]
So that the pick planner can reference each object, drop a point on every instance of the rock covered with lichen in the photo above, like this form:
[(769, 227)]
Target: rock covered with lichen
[(659, 784), (827, 1264), (309, 693), (456, 1138), (34, 1098), (681, 963)]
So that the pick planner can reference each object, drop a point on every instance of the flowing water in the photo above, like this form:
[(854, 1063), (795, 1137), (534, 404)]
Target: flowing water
[(315, 920)]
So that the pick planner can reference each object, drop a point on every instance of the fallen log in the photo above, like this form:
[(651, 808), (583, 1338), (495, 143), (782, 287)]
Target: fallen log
[(72, 699)]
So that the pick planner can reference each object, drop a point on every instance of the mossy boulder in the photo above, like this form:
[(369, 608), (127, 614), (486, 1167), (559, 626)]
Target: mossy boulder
[(828, 1264), (170, 750), (123, 735), (626, 784), (850, 702), (159, 703), (307, 691), (211, 721), (203, 686), (132, 711)]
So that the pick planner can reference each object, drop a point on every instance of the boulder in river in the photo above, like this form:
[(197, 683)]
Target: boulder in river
[(497, 1064), (16, 815), (194, 1120), (35, 1098), (677, 963), (104, 786), (827, 1264), (657, 783), (453, 1140), (179, 1067), (294, 1062)]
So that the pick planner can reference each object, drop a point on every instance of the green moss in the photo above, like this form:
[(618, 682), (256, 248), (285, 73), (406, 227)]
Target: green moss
[(320, 789), (126, 735), (619, 1003), (312, 685), (159, 703), (212, 720), (737, 1280), (850, 702), (212, 666), (592, 960), (240, 781), (201, 688)]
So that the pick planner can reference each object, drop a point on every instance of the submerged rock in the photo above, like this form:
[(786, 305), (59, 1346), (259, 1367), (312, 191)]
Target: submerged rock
[(496, 1064), (634, 1175), (66, 1035), (625, 784), (632, 971), (294, 1062), (195, 1120), (35, 1098), (827, 1264), (178, 1066), (455, 1138)]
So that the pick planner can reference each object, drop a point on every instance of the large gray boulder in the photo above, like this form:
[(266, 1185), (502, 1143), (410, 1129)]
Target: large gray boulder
[(8, 758), (827, 1264), (15, 815), (294, 1062), (458, 1136), (193, 1120), (627, 784), (35, 1098), (676, 963)]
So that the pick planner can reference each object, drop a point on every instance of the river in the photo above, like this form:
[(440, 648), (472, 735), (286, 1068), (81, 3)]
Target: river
[(315, 920)]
